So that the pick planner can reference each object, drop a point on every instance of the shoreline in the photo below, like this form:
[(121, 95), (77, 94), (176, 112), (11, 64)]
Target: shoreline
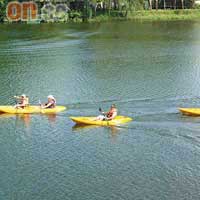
[(153, 15), (166, 15), (140, 15)]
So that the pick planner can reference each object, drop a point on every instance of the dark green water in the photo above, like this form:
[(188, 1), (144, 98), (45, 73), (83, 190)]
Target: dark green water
[(147, 69)]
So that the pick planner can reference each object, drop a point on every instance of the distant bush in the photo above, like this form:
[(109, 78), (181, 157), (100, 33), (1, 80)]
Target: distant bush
[(196, 6), (135, 4), (75, 16), (2, 10)]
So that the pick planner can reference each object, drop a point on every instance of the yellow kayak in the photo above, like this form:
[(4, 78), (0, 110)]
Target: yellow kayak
[(91, 121), (190, 111), (31, 110)]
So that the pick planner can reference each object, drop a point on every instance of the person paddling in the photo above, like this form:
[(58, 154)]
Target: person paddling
[(111, 114), (51, 102), (23, 101)]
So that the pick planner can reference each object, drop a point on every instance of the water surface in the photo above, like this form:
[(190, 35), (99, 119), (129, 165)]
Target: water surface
[(147, 69)]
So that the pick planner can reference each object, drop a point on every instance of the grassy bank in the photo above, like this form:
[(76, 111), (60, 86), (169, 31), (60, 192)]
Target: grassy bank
[(140, 15), (154, 15), (189, 14)]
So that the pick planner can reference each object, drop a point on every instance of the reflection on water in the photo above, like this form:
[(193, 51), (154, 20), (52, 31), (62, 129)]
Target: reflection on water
[(78, 127), (26, 118), (51, 117), (5, 115), (114, 130)]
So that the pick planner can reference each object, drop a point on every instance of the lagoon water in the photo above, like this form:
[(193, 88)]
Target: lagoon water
[(147, 69)]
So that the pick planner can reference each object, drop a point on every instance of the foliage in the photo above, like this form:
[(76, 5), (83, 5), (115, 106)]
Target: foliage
[(129, 4), (135, 4), (2, 10), (75, 16), (196, 6), (165, 15), (115, 9)]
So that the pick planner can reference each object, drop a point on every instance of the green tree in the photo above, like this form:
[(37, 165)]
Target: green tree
[(2, 10)]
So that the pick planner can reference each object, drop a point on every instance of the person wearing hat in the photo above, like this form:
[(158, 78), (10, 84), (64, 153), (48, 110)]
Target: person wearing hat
[(23, 101), (111, 114), (51, 102)]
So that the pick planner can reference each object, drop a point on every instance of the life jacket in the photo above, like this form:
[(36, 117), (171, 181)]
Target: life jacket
[(53, 104), (111, 112), (24, 101)]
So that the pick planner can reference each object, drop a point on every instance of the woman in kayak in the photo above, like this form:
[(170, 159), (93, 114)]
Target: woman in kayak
[(111, 114), (23, 101), (51, 102)]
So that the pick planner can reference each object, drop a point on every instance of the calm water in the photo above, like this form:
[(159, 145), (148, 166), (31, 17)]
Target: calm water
[(147, 69)]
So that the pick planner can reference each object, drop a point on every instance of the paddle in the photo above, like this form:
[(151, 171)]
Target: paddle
[(105, 117), (41, 109), (16, 102), (100, 110), (16, 97), (103, 113)]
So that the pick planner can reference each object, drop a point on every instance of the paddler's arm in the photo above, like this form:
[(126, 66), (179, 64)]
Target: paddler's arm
[(17, 97), (46, 106)]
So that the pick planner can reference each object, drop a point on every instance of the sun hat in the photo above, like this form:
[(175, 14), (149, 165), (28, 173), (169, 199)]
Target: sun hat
[(51, 97)]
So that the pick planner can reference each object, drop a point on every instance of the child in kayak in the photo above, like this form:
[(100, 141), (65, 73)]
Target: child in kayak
[(23, 101), (51, 102), (111, 114)]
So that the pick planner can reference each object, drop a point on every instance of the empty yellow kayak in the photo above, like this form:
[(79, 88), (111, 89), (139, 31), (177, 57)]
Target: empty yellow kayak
[(31, 110), (190, 111), (91, 121)]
